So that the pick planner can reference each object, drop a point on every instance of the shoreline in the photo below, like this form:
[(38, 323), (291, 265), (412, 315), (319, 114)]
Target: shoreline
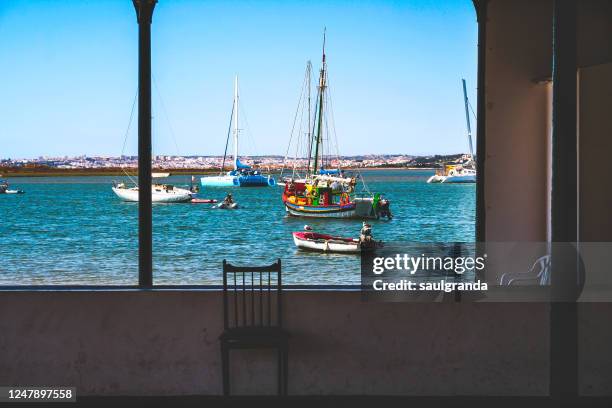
[(51, 172)]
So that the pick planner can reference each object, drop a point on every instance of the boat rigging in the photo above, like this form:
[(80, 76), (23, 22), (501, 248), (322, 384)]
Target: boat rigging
[(326, 192), (459, 172), (242, 175)]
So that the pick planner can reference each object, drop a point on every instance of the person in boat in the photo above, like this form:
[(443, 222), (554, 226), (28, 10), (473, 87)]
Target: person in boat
[(228, 200), (383, 209), (194, 188), (365, 236)]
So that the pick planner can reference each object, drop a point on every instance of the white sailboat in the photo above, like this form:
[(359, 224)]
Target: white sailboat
[(452, 173), (160, 193), (242, 175), (459, 172)]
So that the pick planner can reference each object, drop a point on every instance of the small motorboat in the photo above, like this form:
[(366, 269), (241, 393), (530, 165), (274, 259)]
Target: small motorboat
[(203, 201), (226, 206), (313, 241), (4, 188), (228, 203)]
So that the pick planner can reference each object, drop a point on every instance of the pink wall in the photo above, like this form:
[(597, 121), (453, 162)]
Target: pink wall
[(165, 343)]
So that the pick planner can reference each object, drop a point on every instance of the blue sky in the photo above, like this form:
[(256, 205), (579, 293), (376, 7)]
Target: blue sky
[(68, 74)]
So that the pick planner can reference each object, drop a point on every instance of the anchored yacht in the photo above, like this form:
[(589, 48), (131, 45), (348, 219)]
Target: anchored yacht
[(459, 172), (160, 193)]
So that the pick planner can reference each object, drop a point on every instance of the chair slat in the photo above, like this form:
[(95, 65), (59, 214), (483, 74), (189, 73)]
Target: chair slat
[(252, 312), (269, 302), (252, 299), (243, 301), (260, 300), (235, 302)]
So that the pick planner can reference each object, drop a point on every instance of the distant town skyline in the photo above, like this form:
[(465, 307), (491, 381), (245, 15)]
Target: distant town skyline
[(215, 162), (69, 74)]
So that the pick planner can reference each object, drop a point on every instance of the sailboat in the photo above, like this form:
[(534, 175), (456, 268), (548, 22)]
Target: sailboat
[(459, 172), (242, 175), (160, 192), (326, 192)]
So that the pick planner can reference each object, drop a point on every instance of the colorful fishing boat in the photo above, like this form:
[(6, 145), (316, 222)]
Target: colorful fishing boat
[(320, 196), (242, 175), (324, 191)]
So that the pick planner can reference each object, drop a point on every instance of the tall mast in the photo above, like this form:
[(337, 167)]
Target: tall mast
[(321, 99), (311, 126), (308, 75), (236, 123), (467, 118)]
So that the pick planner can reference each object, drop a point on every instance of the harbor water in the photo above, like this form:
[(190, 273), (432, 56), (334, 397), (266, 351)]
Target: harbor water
[(74, 230)]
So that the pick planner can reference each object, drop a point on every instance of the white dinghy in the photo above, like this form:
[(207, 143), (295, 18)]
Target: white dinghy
[(226, 206), (312, 241)]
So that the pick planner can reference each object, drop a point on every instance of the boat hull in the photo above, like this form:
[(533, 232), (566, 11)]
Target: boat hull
[(436, 179), (465, 176), (332, 211), (469, 178), (326, 243), (256, 181), (224, 206), (220, 181), (202, 201), (178, 195), (361, 208), (238, 181)]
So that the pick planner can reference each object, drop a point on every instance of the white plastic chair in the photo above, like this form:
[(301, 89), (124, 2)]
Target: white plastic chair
[(539, 273)]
